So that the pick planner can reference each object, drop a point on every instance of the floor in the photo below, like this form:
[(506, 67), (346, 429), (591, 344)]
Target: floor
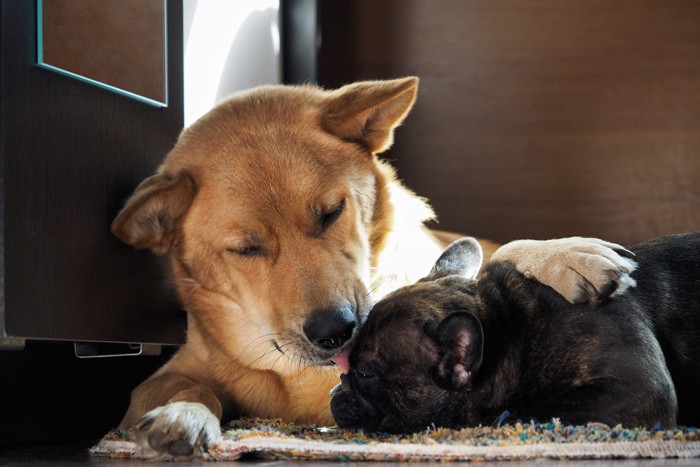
[(75, 454)]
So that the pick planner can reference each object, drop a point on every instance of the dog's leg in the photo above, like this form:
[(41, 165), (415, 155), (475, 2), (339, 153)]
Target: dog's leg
[(171, 415), (580, 269)]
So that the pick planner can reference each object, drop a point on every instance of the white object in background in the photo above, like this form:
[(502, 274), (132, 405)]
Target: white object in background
[(230, 45)]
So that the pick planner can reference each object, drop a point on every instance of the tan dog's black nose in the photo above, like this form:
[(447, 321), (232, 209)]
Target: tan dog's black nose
[(330, 328)]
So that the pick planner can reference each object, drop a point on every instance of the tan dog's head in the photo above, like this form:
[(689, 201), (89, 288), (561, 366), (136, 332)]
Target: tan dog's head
[(271, 207)]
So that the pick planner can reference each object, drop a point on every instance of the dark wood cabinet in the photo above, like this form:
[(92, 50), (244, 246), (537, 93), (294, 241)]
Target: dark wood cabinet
[(71, 154)]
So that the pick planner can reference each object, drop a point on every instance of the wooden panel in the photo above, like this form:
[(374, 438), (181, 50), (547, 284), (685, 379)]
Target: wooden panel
[(121, 44), (537, 119), (72, 153)]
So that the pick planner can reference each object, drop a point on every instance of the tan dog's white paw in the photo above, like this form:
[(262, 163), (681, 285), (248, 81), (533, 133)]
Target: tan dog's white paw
[(176, 430), (581, 269)]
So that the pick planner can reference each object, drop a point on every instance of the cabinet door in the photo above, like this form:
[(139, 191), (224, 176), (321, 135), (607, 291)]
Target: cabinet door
[(71, 154)]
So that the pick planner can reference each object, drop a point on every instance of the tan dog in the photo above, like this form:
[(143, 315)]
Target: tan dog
[(282, 227)]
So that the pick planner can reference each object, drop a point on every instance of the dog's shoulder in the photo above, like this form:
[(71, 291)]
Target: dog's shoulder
[(678, 254), (667, 289), (668, 276)]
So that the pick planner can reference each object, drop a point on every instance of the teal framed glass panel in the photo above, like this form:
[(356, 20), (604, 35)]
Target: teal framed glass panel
[(116, 45)]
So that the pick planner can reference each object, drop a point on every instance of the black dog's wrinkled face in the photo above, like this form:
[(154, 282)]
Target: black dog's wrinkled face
[(419, 344)]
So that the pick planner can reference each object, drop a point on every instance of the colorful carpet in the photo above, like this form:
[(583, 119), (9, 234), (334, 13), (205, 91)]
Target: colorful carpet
[(271, 439)]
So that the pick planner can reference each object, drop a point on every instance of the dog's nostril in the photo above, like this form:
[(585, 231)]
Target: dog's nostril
[(330, 329), (328, 343)]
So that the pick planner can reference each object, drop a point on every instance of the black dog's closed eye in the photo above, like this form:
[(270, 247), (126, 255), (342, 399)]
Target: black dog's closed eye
[(328, 218), (366, 373)]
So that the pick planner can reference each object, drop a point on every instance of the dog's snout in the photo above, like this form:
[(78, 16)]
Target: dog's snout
[(329, 329)]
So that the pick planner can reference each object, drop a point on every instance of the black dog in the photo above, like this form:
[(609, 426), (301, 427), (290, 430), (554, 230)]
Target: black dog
[(450, 351)]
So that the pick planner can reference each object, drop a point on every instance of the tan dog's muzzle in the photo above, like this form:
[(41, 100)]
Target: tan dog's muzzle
[(329, 329)]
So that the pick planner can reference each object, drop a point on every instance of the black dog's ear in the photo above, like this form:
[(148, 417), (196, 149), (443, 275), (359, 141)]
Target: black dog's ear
[(462, 257), (461, 340)]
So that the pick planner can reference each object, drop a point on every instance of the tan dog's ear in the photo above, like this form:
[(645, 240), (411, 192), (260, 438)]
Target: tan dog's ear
[(367, 112), (150, 217)]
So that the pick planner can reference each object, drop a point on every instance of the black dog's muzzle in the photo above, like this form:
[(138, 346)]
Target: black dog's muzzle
[(350, 409)]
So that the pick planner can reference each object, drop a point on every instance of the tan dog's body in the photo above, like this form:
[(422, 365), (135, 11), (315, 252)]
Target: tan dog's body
[(275, 212)]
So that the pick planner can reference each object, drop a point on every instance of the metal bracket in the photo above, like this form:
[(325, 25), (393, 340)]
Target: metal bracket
[(12, 343), (113, 349)]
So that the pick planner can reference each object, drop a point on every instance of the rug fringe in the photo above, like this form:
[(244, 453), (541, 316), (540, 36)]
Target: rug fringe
[(317, 450)]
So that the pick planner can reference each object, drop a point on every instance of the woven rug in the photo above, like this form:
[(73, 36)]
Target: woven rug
[(272, 439)]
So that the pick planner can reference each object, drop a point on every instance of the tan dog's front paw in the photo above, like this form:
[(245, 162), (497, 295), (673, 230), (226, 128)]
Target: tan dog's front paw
[(581, 269), (177, 429)]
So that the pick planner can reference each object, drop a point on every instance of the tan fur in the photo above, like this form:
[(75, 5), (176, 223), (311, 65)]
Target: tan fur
[(258, 171)]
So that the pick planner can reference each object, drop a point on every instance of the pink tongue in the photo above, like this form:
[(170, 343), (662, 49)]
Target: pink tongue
[(341, 359)]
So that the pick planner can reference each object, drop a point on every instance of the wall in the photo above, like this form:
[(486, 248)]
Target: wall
[(537, 119)]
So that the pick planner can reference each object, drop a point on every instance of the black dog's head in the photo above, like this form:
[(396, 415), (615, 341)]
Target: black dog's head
[(418, 345)]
